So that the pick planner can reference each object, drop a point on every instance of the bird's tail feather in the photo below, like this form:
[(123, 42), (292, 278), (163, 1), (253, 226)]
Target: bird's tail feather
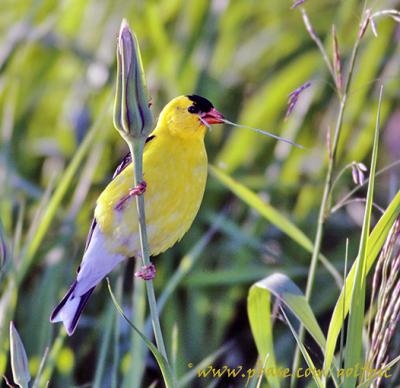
[(69, 310)]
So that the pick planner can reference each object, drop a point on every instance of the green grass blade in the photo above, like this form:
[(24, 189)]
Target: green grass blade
[(287, 291), (369, 248), (265, 209), (259, 313), (272, 215), (54, 352), (41, 368), (174, 347), (258, 308), (234, 277), (3, 248), (304, 352), (187, 263), (162, 362), (116, 335), (104, 347), (353, 348)]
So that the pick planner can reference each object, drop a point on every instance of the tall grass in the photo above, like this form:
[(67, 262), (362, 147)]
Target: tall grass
[(262, 204)]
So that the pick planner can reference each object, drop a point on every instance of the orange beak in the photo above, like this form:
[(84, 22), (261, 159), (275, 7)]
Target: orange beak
[(213, 117)]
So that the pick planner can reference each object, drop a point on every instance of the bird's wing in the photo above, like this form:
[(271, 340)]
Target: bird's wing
[(96, 263), (126, 160), (90, 234)]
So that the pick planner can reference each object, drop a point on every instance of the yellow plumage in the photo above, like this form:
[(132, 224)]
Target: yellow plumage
[(175, 172)]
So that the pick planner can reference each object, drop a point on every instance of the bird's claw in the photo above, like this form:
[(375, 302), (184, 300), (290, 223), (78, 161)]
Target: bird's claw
[(147, 272), (138, 190)]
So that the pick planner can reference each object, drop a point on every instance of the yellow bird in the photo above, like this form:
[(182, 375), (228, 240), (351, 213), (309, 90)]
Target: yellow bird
[(175, 174)]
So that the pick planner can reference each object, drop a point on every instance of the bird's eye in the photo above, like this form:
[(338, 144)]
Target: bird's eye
[(192, 109)]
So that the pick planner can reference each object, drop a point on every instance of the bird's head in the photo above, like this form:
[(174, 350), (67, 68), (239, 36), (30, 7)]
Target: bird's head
[(189, 116)]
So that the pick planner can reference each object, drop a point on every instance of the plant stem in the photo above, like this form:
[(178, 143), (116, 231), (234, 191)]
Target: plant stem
[(339, 175), (323, 211), (136, 147), (351, 192), (317, 40), (116, 353)]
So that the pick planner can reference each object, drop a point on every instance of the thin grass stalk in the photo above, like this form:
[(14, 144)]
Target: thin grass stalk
[(116, 352), (345, 199), (137, 350), (136, 148), (317, 40), (323, 210), (186, 265), (52, 357), (166, 371), (344, 313), (104, 347), (41, 368)]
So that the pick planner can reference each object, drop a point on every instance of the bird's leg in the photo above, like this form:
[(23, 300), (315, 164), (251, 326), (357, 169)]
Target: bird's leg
[(138, 190), (147, 272)]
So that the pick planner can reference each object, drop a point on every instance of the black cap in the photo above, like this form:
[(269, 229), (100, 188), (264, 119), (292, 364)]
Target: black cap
[(200, 104)]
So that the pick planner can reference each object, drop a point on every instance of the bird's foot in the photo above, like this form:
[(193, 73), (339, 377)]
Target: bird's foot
[(138, 190), (147, 272)]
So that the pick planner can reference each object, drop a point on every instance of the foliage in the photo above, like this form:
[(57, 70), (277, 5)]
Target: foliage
[(58, 150)]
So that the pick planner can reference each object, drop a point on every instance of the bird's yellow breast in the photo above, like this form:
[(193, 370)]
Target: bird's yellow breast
[(175, 171)]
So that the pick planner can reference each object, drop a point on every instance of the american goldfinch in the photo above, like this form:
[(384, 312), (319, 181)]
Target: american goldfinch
[(175, 173)]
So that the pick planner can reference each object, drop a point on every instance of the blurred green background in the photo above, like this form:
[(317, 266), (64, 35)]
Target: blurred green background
[(57, 73)]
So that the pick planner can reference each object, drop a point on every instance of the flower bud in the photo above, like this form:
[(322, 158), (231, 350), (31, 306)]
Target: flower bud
[(19, 361), (358, 171), (132, 114)]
